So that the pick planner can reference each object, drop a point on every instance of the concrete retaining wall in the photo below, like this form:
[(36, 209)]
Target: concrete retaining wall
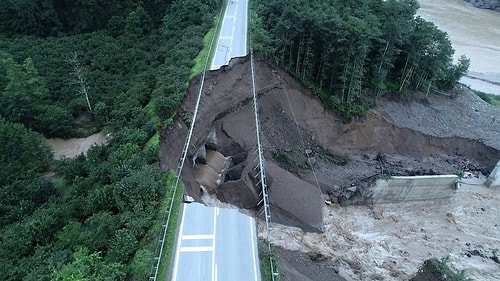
[(493, 180), (397, 189)]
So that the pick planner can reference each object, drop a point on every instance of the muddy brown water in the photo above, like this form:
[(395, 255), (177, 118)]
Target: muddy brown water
[(73, 147), (474, 33)]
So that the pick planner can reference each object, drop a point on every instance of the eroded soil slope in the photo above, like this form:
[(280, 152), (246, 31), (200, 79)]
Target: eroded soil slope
[(401, 136)]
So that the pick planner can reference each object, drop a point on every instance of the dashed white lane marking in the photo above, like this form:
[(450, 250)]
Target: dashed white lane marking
[(197, 249), (198, 236)]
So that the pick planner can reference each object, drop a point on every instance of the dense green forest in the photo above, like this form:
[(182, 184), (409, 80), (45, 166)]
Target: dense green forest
[(72, 68), (352, 51)]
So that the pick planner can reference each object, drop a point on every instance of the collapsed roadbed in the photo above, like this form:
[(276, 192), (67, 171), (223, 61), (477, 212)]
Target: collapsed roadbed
[(313, 155)]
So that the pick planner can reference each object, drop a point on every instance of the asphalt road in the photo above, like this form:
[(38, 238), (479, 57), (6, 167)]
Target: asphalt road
[(214, 243), (232, 40), (195, 252)]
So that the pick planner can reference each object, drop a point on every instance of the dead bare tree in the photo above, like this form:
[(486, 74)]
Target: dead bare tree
[(80, 78)]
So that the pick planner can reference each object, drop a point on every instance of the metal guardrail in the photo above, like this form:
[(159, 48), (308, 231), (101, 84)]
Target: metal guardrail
[(163, 233), (262, 172), (182, 160)]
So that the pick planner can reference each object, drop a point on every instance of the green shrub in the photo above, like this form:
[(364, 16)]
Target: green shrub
[(281, 156), (442, 268)]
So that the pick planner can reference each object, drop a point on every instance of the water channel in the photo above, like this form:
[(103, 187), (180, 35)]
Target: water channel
[(474, 33), (73, 147)]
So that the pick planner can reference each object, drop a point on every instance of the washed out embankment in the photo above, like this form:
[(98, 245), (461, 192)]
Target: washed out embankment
[(402, 136), (226, 124)]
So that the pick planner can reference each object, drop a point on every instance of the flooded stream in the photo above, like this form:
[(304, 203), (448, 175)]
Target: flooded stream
[(73, 147), (474, 33)]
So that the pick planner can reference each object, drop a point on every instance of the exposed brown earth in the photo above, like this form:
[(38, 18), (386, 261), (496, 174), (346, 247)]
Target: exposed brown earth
[(401, 136)]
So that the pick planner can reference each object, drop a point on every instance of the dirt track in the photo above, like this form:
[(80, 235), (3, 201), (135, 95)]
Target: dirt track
[(418, 135)]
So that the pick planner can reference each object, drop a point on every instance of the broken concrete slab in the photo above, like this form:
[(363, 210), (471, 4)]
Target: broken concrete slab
[(414, 188), (239, 193), (294, 202)]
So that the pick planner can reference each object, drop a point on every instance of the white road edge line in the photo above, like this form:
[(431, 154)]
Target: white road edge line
[(178, 250), (218, 39), (216, 213), (246, 27), (252, 230)]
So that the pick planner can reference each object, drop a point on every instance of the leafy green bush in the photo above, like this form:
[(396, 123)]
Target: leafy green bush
[(269, 262), (23, 154), (442, 268), (281, 156)]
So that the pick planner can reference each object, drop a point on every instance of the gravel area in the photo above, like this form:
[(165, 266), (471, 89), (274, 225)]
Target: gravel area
[(465, 115)]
